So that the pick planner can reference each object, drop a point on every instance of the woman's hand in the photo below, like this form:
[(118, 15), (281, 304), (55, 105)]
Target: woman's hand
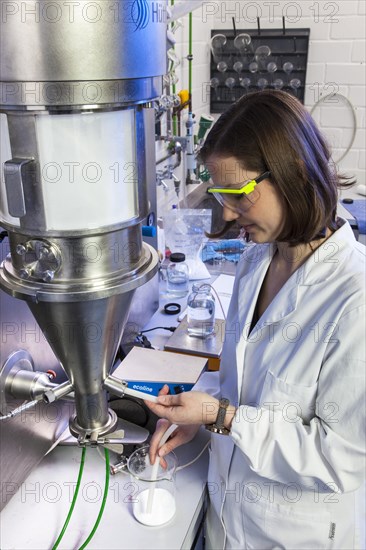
[(186, 408), (183, 434)]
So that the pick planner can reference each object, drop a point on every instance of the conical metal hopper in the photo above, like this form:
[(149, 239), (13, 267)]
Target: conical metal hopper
[(85, 337), (83, 322)]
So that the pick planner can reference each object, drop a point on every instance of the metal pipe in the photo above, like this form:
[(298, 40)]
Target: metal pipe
[(120, 388), (58, 392)]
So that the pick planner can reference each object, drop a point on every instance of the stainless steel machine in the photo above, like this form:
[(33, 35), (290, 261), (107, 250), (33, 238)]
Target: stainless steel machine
[(76, 82)]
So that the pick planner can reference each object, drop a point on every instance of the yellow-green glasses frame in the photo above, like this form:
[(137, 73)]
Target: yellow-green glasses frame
[(230, 197), (245, 189)]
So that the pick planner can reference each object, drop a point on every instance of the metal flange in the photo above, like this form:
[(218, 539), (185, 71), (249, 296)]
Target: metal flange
[(16, 361)]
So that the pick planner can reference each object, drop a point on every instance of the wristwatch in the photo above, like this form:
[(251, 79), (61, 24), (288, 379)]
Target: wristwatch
[(218, 426)]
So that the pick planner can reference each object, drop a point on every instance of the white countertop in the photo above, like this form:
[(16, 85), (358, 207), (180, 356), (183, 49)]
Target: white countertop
[(33, 518)]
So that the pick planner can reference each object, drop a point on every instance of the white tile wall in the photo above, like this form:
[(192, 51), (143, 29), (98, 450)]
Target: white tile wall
[(361, 7), (336, 60), (358, 51)]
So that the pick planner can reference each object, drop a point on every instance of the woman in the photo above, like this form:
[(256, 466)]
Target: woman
[(286, 468)]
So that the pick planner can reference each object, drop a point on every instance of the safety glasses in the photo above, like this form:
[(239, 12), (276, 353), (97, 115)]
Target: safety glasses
[(239, 198)]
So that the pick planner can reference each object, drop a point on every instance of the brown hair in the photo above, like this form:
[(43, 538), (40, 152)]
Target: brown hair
[(272, 130)]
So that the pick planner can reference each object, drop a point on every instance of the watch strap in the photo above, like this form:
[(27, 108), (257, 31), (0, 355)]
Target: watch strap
[(218, 426)]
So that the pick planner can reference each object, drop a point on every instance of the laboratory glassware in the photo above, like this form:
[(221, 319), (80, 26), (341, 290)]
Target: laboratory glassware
[(245, 83), (262, 54), (288, 68), (238, 67), (201, 311), (215, 83), (295, 84), (230, 83), (253, 67), (177, 275), (262, 83), (278, 84), (154, 498), (218, 43), (243, 43), (272, 68), (222, 66)]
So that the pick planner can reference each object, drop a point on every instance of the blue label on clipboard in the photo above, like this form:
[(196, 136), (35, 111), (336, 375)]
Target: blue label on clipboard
[(153, 388)]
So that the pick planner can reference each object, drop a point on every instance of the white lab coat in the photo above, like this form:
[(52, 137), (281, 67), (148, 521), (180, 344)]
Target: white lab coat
[(288, 474)]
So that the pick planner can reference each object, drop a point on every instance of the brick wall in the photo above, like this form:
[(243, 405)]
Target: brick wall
[(336, 60), (336, 63)]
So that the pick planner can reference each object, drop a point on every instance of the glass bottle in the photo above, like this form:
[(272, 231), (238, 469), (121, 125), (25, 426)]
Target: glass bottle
[(201, 311), (177, 275)]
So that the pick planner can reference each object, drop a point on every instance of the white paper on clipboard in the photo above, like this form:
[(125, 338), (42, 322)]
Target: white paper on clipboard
[(224, 287)]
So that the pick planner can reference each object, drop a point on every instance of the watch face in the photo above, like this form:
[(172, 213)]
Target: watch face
[(217, 429)]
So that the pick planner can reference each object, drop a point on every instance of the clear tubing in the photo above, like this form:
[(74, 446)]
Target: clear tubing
[(155, 468)]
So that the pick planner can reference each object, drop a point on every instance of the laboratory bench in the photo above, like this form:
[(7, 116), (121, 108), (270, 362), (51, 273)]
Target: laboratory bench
[(35, 515), (222, 279)]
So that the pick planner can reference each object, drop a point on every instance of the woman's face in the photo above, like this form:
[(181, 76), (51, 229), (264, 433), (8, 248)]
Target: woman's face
[(263, 220)]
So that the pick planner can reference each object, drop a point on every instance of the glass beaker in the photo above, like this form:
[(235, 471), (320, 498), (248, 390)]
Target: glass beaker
[(154, 499)]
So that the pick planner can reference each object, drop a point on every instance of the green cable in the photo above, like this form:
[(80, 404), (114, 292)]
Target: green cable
[(106, 486), (81, 469)]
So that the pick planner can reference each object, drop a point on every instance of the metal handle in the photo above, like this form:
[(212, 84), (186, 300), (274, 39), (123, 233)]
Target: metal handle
[(14, 185)]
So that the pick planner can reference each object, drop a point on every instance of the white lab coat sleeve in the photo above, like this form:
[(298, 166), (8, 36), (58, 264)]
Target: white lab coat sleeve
[(208, 382), (328, 451)]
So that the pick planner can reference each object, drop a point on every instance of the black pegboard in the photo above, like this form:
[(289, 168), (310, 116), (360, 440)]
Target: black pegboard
[(286, 46)]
